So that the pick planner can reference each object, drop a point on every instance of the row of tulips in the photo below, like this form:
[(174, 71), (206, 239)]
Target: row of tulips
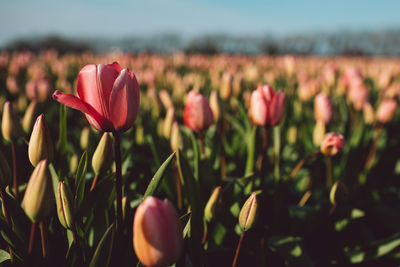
[(259, 160)]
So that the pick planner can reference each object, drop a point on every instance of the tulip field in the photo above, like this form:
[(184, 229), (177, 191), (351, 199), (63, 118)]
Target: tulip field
[(199, 160)]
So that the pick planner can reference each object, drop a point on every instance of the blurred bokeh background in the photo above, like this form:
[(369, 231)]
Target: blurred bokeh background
[(272, 27)]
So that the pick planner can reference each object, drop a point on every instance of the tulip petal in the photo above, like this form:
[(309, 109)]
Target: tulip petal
[(116, 66), (124, 101), (94, 85), (277, 108), (97, 121), (258, 111)]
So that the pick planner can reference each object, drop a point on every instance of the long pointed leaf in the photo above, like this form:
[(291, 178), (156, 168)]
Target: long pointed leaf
[(102, 255), (155, 181), (80, 179)]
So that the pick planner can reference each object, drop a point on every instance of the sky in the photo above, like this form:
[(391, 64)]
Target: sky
[(191, 18)]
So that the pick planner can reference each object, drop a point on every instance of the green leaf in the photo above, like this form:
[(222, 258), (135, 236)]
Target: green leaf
[(155, 181), (54, 178), (154, 151), (4, 255), (196, 158), (251, 141), (185, 220), (191, 189), (102, 255), (291, 248), (80, 180)]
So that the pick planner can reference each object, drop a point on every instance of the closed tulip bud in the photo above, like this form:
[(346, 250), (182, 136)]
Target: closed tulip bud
[(292, 135), (22, 103), (248, 212), (197, 114), (226, 86), (124, 207), (386, 110), (29, 116), (167, 124), (323, 108), (266, 107), (338, 194), (10, 125), (157, 233), (85, 138), (102, 155), (319, 133), (209, 210), (73, 163), (215, 105), (176, 138), (332, 144), (40, 145), (368, 113), (65, 205), (37, 202), (166, 99), (5, 172)]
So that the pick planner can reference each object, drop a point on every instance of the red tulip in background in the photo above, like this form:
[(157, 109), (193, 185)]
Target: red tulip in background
[(197, 114), (107, 94), (266, 107)]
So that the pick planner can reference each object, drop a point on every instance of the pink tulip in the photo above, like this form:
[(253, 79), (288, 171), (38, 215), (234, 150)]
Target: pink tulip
[(157, 234), (323, 108), (332, 144), (197, 114), (107, 94), (386, 110), (266, 107)]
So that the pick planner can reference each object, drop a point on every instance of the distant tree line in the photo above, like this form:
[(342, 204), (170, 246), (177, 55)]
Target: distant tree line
[(379, 43)]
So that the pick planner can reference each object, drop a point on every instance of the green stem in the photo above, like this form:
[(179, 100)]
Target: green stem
[(96, 177), (5, 207), (302, 162), (277, 148), (250, 155), (329, 174), (32, 238), (118, 180), (44, 240)]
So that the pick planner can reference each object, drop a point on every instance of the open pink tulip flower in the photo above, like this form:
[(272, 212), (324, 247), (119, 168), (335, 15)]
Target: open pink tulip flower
[(107, 94), (266, 106), (197, 114)]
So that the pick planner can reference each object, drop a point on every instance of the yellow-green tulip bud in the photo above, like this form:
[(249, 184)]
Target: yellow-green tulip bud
[(292, 135), (248, 212), (339, 193), (102, 155), (85, 137), (40, 145), (215, 105), (226, 86), (319, 133), (176, 138), (39, 196), (65, 205), (10, 124), (29, 116), (167, 124), (73, 163), (124, 207), (5, 172), (166, 99), (209, 210)]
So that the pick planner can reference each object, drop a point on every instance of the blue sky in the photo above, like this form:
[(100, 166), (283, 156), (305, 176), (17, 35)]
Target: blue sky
[(120, 18)]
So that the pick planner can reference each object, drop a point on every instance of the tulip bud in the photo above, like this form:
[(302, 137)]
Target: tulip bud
[(124, 207), (332, 144), (167, 124), (65, 205), (339, 193), (209, 210), (386, 110), (176, 138), (215, 105), (323, 108), (85, 137), (73, 163), (10, 125), (197, 114), (166, 99), (5, 172), (37, 202), (102, 155), (30, 114), (319, 133), (292, 135), (40, 145), (226, 86), (368, 113), (248, 212), (22, 102), (157, 234)]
